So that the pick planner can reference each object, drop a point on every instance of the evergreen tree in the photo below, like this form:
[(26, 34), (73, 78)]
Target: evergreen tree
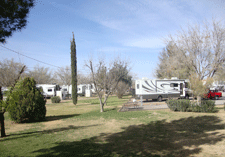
[(13, 16), (74, 70), (25, 102)]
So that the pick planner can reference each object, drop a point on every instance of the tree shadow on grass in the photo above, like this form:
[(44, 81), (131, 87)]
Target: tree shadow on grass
[(42, 132), (181, 137), (110, 109), (58, 117), (50, 118)]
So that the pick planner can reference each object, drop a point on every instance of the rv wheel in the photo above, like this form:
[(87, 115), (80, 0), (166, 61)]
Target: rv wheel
[(160, 98), (217, 97), (187, 97)]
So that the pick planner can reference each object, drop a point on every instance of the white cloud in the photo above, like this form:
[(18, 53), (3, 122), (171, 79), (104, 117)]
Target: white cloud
[(145, 43)]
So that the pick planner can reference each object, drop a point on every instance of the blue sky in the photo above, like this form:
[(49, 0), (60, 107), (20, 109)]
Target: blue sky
[(131, 29)]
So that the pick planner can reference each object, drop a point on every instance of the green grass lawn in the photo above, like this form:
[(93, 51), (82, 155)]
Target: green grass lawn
[(81, 130)]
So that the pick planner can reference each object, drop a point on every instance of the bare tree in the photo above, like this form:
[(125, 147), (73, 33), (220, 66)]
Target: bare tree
[(200, 87), (200, 49), (83, 79), (42, 75), (9, 70), (63, 75), (122, 87), (220, 75), (124, 84), (106, 78)]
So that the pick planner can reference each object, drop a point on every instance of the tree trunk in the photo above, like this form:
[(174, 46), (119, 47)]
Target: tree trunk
[(199, 99), (2, 124), (101, 107), (105, 97), (101, 104), (1, 94), (2, 117)]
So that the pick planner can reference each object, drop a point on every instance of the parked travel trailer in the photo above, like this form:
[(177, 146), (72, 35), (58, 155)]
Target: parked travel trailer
[(80, 89), (91, 87), (67, 89), (161, 88), (49, 90)]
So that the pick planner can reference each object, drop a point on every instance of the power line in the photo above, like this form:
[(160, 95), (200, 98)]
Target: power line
[(29, 57)]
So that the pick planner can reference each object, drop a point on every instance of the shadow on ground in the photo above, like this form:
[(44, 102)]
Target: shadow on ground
[(181, 137), (52, 118), (14, 136)]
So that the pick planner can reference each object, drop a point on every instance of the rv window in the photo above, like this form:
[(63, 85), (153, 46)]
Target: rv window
[(137, 86), (65, 90), (49, 90), (174, 85)]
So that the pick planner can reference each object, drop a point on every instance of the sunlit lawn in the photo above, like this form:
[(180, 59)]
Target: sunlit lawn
[(81, 130)]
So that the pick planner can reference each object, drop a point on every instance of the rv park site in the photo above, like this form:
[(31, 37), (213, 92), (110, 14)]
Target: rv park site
[(81, 130), (112, 78)]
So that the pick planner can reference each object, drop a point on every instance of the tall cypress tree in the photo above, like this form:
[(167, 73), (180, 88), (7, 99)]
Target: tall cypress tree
[(74, 70)]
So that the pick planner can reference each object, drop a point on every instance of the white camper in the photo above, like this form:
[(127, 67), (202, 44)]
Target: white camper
[(161, 88), (49, 90), (91, 87), (81, 89), (67, 89)]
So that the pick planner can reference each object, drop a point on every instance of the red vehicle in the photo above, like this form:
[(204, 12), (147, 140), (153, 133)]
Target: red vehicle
[(214, 94)]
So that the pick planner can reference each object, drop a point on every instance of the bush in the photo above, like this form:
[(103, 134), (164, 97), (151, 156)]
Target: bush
[(56, 99), (205, 106), (178, 105), (186, 105), (121, 89), (26, 103), (172, 104)]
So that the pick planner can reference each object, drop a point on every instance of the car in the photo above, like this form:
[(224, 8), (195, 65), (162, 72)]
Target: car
[(213, 94)]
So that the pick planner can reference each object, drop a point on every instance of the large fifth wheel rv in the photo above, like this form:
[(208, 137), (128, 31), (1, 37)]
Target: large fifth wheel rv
[(161, 88)]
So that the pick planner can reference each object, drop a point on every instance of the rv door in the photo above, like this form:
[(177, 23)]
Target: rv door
[(181, 89)]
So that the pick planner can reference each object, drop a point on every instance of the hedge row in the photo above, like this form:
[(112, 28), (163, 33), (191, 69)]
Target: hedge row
[(185, 105)]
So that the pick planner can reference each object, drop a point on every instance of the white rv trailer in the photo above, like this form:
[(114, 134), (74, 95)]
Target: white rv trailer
[(91, 87), (49, 90), (80, 89), (67, 89), (161, 88)]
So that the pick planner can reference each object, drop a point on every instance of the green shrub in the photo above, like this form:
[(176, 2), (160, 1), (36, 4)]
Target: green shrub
[(178, 105), (26, 103), (172, 104), (185, 105), (205, 106), (56, 99)]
